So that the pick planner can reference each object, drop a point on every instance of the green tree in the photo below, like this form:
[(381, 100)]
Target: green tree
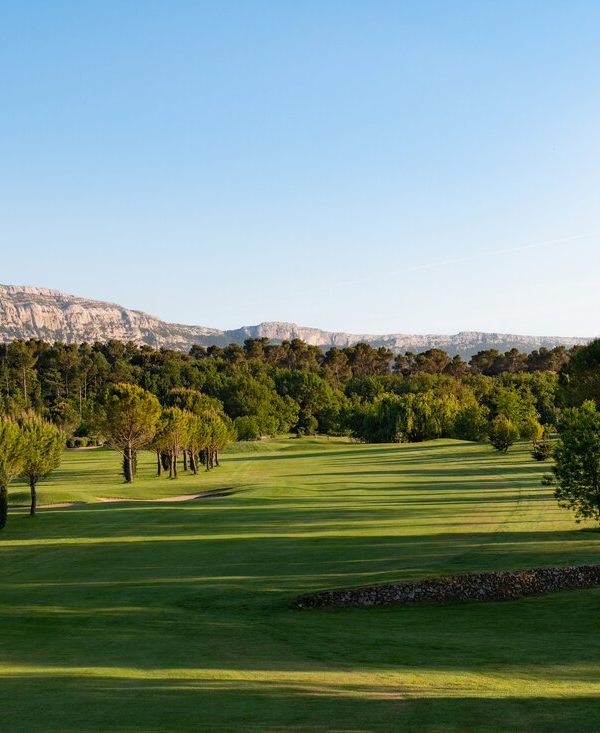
[(432, 361), (173, 435), (577, 461), (471, 423), (43, 445), (502, 433), (221, 434), (580, 379), (129, 421), (541, 450), (530, 429), (247, 427), (11, 460), (336, 369), (518, 405), (22, 359), (192, 400), (65, 416)]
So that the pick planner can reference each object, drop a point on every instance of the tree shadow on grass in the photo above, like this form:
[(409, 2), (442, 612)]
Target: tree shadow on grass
[(65, 704), (375, 450)]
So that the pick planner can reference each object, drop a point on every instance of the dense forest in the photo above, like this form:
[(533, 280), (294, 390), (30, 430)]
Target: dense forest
[(268, 389)]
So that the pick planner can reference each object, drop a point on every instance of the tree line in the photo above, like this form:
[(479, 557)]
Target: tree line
[(268, 388)]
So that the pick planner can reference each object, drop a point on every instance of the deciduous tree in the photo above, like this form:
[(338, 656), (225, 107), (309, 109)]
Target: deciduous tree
[(577, 461), (502, 433)]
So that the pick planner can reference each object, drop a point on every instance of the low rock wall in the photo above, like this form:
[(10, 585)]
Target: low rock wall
[(494, 586)]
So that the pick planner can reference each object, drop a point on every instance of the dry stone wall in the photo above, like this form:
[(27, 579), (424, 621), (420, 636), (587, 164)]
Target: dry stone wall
[(493, 586)]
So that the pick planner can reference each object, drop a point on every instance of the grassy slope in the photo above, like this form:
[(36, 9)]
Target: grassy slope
[(168, 617)]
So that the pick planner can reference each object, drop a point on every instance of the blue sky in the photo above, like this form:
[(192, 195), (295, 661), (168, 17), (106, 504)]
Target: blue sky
[(359, 166)]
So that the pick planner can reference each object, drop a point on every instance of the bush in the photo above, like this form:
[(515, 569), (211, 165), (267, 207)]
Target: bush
[(247, 428), (502, 433), (79, 442), (530, 429), (542, 450)]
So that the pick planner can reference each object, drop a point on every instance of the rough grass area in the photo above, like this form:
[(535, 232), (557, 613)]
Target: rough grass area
[(177, 616)]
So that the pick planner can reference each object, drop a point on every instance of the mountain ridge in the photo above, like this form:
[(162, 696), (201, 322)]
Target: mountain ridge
[(47, 314)]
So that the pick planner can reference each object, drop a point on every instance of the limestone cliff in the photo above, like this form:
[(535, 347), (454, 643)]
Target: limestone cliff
[(50, 315)]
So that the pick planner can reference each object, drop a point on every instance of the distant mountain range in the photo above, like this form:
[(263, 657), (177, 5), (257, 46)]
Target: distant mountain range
[(50, 315)]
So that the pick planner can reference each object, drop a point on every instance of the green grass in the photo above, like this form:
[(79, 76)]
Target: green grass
[(177, 617)]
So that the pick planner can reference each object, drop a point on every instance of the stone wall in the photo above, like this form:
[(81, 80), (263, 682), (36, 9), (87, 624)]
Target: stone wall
[(494, 586)]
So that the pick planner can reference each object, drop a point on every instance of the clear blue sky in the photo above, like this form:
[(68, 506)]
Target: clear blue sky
[(361, 166)]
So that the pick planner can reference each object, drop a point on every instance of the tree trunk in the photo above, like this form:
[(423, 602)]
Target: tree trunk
[(159, 465), (193, 465), (32, 486), (217, 458), (3, 506), (128, 464), (174, 462), (185, 460)]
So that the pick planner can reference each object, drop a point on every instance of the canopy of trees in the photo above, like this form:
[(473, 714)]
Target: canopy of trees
[(263, 389)]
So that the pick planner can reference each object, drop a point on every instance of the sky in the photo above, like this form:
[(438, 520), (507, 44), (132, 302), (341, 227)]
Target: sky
[(370, 167)]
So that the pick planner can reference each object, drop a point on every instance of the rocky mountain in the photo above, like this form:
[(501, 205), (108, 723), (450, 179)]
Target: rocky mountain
[(50, 315)]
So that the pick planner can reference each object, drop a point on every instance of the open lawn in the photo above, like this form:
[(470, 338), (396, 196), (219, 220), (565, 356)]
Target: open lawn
[(176, 616)]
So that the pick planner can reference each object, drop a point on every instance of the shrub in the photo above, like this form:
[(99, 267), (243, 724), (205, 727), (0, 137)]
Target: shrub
[(542, 450), (247, 428), (502, 433), (530, 429)]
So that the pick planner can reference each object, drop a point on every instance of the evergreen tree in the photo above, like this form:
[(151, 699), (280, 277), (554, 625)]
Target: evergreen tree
[(43, 445), (129, 421), (11, 460)]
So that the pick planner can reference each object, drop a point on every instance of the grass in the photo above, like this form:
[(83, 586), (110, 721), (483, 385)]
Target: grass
[(176, 617)]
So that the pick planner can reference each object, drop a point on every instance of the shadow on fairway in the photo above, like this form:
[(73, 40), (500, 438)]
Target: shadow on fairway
[(103, 702)]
